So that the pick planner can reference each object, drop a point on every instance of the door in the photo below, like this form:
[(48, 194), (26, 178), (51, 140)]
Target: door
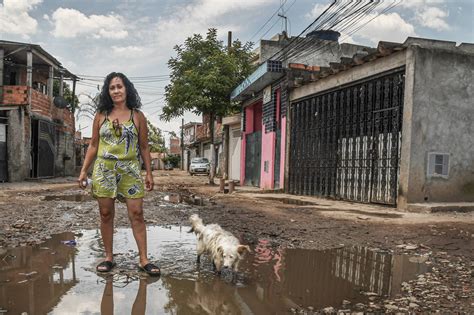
[(253, 155), (234, 154), (43, 140), (3, 153), (276, 168)]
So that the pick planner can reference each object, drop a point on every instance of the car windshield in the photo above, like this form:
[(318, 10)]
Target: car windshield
[(199, 160)]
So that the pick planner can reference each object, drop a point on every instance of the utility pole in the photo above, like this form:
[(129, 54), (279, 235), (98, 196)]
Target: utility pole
[(226, 139), (182, 144)]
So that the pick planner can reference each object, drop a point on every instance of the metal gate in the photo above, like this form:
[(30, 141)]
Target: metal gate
[(3, 151), (253, 148), (46, 149), (345, 143)]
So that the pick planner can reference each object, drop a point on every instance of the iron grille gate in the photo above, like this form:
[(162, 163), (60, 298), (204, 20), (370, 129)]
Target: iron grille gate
[(345, 143)]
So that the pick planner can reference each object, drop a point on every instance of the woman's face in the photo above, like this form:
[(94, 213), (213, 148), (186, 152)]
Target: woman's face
[(117, 90)]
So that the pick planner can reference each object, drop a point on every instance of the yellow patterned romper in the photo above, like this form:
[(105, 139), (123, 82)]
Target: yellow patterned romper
[(117, 167)]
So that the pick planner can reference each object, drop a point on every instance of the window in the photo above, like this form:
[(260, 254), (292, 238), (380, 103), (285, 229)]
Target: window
[(438, 164)]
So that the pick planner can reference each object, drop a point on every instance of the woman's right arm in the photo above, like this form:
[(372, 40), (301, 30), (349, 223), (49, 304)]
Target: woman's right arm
[(91, 150)]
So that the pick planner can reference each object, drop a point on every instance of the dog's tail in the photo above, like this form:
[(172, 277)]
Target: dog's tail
[(196, 224)]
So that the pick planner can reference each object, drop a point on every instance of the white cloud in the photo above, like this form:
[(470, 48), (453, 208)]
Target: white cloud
[(317, 10), (15, 18), (420, 3), (386, 27), (130, 51), (71, 23), (433, 18), (197, 18)]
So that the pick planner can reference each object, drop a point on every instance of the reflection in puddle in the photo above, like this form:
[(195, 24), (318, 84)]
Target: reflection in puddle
[(60, 279), (74, 197)]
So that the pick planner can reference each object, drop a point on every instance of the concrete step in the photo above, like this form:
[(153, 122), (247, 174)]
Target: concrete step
[(441, 207)]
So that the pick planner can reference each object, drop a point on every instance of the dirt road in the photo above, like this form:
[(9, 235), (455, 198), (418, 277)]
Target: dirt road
[(31, 212)]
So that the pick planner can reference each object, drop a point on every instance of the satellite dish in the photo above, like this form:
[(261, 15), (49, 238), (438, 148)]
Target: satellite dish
[(60, 102)]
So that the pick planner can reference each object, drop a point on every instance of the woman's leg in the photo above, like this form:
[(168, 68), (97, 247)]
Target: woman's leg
[(107, 213), (135, 214)]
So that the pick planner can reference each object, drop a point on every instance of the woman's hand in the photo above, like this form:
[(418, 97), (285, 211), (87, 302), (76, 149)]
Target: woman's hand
[(149, 183), (82, 180)]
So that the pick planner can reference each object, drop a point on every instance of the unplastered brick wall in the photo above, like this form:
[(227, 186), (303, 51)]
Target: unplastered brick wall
[(40, 104), (15, 95)]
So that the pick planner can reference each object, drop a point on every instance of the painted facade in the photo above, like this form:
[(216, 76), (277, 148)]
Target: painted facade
[(264, 101), (418, 98)]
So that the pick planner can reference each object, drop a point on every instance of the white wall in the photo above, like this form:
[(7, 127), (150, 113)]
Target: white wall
[(234, 153)]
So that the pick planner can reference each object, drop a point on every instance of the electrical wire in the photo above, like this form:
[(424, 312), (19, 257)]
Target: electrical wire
[(269, 19)]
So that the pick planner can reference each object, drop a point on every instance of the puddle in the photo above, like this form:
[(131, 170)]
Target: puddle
[(73, 197), (56, 278)]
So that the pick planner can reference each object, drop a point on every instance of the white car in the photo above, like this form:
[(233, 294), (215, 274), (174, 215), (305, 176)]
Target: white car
[(199, 165)]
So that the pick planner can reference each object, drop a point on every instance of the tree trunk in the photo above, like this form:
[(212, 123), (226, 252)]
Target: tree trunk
[(213, 152)]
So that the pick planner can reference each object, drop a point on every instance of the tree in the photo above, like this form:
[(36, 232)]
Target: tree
[(67, 94), (203, 75), (155, 139)]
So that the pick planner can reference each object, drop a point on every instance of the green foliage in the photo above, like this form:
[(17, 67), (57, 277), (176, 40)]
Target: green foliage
[(203, 75), (67, 93), (174, 159), (155, 139)]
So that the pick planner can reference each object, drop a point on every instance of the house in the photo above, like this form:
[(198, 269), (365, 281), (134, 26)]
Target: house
[(191, 146), (393, 126), (36, 135), (175, 146), (232, 142), (264, 99), (201, 145)]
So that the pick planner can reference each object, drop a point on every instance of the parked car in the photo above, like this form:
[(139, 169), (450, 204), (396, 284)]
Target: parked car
[(199, 165), (168, 166)]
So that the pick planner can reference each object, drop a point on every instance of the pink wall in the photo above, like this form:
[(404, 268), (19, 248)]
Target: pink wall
[(282, 152), (268, 154)]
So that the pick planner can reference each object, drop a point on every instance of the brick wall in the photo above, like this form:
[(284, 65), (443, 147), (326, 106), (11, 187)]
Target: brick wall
[(15, 95)]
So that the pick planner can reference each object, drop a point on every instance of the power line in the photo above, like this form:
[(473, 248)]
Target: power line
[(269, 19), (277, 21)]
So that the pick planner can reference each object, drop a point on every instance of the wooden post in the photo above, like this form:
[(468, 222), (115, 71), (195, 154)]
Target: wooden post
[(1, 75), (221, 185), (231, 186), (29, 75)]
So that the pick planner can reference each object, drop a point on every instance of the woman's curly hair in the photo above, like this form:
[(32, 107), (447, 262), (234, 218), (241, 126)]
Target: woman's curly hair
[(105, 101)]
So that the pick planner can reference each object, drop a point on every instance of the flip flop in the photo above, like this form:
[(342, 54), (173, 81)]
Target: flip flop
[(105, 266), (148, 268)]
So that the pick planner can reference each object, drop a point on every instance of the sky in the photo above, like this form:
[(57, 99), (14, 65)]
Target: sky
[(136, 37)]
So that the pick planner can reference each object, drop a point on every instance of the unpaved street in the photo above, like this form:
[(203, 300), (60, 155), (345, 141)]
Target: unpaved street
[(31, 212)]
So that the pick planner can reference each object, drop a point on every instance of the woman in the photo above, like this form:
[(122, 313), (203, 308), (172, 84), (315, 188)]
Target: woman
[(119, 136)]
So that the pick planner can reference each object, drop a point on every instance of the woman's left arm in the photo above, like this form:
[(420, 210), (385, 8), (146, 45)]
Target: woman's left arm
[(145, 149)]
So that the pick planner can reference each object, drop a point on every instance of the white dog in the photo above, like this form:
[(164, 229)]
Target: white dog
[(223, 248)]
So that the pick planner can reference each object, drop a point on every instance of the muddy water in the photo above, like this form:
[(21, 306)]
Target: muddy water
[(57, 278)]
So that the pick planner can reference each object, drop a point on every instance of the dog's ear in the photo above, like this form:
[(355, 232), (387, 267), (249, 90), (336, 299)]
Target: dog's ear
[(220, 250), (242, 248)]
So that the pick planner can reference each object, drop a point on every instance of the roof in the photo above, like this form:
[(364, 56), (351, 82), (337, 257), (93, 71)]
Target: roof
[(16, 48), (383, 49)]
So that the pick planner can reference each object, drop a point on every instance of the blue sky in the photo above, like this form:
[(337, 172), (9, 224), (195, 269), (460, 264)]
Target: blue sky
[(136, 37)]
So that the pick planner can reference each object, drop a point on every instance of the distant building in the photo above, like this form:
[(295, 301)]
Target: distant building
[(175, 146), (36, 137), (191, 144)]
